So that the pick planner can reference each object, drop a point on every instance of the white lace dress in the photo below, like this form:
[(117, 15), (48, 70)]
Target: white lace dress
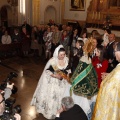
[(49, 92)]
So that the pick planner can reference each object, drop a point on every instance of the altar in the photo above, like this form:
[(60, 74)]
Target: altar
[(101, 13), (101, 31)]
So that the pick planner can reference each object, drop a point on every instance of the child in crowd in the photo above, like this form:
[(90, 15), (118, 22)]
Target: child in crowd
[(77, 53)]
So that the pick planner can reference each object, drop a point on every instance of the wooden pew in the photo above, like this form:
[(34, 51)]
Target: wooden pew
[(9, 48)]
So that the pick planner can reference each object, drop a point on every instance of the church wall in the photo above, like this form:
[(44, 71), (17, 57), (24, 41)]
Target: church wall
[(44, 4), (36, 15), (2, 3), (12, 13), (63, 15), (75, 15)]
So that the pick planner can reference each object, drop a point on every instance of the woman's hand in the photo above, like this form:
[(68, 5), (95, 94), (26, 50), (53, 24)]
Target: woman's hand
[(57, 76), (103, 75), (60, 110)]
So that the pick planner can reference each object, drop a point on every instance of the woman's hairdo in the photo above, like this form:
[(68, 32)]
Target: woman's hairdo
[(61, 50), (80, 42), (88, 46), (108, 31), (103, 53)]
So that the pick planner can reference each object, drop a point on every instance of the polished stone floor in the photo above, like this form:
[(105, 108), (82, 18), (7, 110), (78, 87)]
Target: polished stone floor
[(29, 70)]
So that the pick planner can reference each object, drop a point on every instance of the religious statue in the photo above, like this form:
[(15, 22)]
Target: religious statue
[(77, 4)]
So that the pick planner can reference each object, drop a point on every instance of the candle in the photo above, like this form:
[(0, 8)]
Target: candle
[(93, 15)]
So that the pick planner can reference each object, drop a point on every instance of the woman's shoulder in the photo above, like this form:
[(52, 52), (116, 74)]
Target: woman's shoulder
[(95, 58), (106, 60), (86, 59), (51, 60)]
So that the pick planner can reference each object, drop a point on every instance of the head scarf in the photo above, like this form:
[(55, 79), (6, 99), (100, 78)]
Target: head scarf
[(55, 54)]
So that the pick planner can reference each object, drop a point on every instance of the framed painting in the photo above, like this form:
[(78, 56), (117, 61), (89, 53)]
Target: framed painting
[(77, 5)]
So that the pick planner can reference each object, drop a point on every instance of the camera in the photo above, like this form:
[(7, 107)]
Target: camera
[(10, 110), (7, 80)]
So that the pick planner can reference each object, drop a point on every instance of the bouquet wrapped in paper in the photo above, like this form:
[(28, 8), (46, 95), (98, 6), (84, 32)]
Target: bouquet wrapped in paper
[(63, 73)]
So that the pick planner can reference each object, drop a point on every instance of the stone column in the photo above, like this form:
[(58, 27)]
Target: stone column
[(35, 12), (62, 10)]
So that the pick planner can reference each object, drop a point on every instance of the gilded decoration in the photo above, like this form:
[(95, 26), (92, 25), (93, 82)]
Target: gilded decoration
[(77, 5), (84, 80)]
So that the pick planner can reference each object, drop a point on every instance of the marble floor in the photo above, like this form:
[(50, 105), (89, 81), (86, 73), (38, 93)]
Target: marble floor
[(29, 70)]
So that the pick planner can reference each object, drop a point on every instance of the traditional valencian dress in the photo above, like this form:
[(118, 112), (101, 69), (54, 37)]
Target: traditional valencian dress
[(50, 90), (84, 85), (108, 100)]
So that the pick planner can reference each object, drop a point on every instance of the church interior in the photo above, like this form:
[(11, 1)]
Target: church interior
[(89, 14)]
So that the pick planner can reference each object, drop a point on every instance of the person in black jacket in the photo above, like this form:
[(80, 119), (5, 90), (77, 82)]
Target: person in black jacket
[(70, 111), (110, 53)]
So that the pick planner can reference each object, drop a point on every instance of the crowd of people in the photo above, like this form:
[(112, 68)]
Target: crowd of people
[(40, 39), (80, 67)]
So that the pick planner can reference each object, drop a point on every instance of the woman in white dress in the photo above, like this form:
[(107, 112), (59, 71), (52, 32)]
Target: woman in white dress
[(51, 86)]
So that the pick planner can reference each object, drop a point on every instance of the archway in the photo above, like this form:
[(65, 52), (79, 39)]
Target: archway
[(50, 13), (5, 15)]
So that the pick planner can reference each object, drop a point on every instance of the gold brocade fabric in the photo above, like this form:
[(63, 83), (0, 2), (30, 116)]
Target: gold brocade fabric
[(108, 100), (63, 75)]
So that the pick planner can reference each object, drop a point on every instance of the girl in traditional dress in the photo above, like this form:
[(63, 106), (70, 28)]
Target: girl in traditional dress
[(52, 85)]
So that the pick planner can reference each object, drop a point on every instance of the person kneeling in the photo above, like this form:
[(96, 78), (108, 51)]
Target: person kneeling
[(70, 111)]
